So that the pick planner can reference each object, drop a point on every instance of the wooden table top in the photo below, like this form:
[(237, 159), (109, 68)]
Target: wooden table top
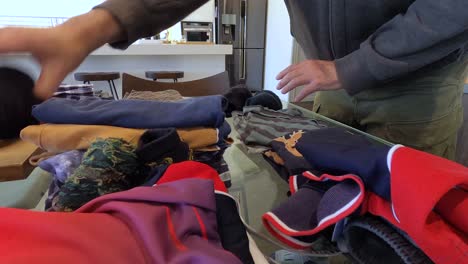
[(14, 159)]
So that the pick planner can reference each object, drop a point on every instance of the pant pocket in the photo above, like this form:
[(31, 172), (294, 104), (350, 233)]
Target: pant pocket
[(316, 108), (427, 133)]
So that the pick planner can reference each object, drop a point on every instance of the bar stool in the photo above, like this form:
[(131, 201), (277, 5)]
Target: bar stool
[(156, 75), (109, 77)]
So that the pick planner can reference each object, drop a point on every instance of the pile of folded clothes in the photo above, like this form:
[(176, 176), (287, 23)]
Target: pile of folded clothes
[(88, 138), (138, 158), (366, 195)]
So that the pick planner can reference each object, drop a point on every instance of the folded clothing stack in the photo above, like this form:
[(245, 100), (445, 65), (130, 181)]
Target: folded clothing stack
[(194, 112), (141, 126)]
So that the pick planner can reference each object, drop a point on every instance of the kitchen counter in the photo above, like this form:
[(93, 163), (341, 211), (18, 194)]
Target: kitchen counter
[(197, 61), (166, 50)]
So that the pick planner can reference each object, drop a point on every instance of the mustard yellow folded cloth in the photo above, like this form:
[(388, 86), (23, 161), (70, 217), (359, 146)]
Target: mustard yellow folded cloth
[(61, 138)]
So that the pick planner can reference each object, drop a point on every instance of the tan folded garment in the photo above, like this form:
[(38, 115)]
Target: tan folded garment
[(61, 138)]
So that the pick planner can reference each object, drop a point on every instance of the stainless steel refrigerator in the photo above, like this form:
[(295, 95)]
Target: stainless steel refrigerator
[(242, 23)]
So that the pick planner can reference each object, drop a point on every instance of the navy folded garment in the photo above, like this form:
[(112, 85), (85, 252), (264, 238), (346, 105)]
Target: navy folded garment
[(223, 132), (205, 111)]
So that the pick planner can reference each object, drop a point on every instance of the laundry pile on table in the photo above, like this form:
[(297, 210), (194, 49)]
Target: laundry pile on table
[(136, 159), (421, 195), (188, 217), (263, 131), (141, 135)]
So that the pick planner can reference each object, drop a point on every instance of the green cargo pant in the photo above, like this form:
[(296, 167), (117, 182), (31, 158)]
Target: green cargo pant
[(423, 111)]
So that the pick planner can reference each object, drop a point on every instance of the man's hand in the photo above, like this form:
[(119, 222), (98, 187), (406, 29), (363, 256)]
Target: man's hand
[(61, 49), (315, 75)]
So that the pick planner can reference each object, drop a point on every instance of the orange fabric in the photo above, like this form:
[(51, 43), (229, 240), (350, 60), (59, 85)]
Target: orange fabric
[(61, 138)]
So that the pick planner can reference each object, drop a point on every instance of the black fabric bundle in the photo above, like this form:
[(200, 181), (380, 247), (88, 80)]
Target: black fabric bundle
[(240, 96), (16, 101), (237, 97), (266, 99)]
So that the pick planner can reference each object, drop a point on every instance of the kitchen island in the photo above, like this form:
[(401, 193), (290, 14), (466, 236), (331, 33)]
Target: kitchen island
[(196, 60)]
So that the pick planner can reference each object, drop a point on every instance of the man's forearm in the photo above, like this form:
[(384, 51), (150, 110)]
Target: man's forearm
[(142, 18), (97, 27)]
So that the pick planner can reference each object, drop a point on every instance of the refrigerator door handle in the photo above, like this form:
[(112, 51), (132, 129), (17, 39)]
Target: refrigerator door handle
[(243, 26)]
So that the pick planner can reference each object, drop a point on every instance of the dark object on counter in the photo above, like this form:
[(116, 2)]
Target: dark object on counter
[(162, 75), (237, 98), (16, 101), (266, 99)]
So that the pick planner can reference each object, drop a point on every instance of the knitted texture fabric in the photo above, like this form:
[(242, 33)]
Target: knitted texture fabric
[(108, 166), (163, 96)]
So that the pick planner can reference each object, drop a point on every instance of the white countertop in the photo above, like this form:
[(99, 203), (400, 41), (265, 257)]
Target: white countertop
[(166, 49)]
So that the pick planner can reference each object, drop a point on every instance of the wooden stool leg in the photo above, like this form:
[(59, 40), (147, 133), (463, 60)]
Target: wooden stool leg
[(111, 89), (115, 90)]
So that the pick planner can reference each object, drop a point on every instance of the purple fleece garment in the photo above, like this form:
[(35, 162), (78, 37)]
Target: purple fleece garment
[(144, 210), (207, 111), (61, 167)]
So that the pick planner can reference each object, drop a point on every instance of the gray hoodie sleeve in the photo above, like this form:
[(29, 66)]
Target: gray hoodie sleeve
[(142, 18), (429, 31)]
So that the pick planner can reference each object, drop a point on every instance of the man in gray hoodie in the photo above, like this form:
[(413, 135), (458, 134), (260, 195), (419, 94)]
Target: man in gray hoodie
[(393, 68)]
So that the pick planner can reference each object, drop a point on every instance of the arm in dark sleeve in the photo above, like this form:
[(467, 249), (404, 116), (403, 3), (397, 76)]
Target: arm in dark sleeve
[(142, 18), (429, 31)]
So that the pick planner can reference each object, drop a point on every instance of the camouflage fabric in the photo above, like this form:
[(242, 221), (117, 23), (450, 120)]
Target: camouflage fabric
[(110, 165)]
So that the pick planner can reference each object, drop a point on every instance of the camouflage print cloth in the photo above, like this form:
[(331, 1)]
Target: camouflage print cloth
[(108, 166)]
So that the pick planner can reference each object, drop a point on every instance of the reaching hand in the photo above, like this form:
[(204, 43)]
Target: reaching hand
[(60, 50), (55, 51), (315, 75)]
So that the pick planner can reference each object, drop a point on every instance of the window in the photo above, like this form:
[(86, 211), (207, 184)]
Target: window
[(44, 13)]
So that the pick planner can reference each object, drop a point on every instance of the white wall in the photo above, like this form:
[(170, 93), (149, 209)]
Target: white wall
[(279, 45), (206, 13), (70, 8), (46, 8)]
